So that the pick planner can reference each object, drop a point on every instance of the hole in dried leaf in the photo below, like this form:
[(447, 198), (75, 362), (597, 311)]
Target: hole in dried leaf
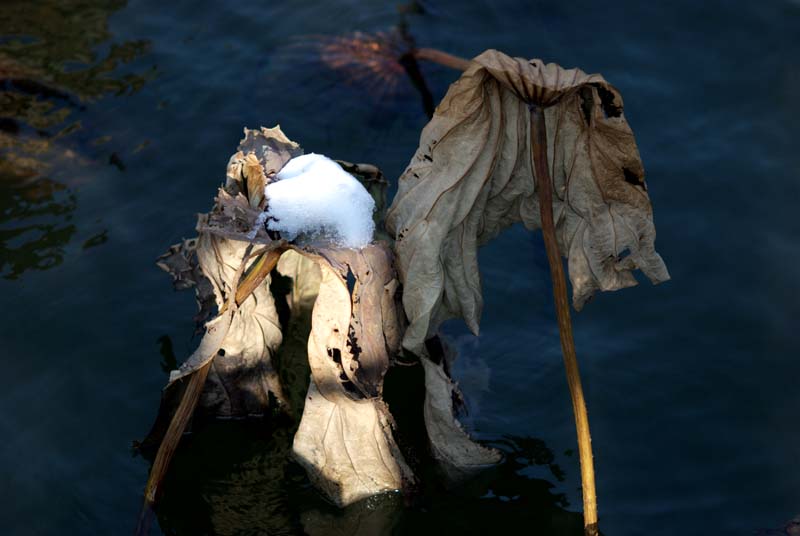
[(633, 178), (435, 349), (351, 281), (335, 354), (352, 343), (587, 103), (607, 100)]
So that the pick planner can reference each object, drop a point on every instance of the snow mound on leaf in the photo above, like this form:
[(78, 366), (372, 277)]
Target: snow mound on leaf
[(313, 196)]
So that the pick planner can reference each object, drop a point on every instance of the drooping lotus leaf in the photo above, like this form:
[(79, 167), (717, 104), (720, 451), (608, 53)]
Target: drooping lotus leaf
[(471, 177), (344, 439)]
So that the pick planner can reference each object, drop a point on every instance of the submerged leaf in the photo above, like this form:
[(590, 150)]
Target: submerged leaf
[(471, 177), (458, 454)]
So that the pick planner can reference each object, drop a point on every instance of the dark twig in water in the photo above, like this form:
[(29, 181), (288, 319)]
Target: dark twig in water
[(409, 62)]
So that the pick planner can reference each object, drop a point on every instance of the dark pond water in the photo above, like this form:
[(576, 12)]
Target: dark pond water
[(116, 123)]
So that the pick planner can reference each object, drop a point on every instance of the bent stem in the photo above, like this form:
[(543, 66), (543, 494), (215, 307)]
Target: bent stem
[(442, 58), (170, 442), (166, 450), (539, 151)]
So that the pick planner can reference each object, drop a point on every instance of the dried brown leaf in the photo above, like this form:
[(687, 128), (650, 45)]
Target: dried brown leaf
[(254, 179), (471, 178), (235, 174), (345, 439), (271, 147)]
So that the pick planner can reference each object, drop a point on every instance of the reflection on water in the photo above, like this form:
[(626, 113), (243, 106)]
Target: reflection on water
[(50, 69), (34, 225), (379, 65)]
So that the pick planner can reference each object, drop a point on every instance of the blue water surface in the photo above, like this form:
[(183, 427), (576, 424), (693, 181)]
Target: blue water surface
[(692, 386)]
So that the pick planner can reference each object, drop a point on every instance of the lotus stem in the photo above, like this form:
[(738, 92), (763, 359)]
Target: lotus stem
[(256, 275), (410, 64), (543, 181), (442, 58), (166, 450)]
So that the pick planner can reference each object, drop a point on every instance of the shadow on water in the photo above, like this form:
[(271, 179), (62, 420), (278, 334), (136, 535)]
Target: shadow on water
[(230, 478), (237, 478), (51, 69)]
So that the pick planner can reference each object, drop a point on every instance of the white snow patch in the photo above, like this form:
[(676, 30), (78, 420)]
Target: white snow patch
[(313, 195)]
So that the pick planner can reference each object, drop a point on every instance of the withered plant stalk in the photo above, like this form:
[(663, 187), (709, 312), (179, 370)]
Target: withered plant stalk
[(544, 183)]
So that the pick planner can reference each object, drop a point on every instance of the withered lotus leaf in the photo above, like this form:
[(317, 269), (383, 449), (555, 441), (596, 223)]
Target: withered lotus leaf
[(344, 438), (471, 177)]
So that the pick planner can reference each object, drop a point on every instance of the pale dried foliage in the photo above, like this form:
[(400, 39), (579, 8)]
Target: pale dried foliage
[(345, 436), (471, 177), (344, 439)]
